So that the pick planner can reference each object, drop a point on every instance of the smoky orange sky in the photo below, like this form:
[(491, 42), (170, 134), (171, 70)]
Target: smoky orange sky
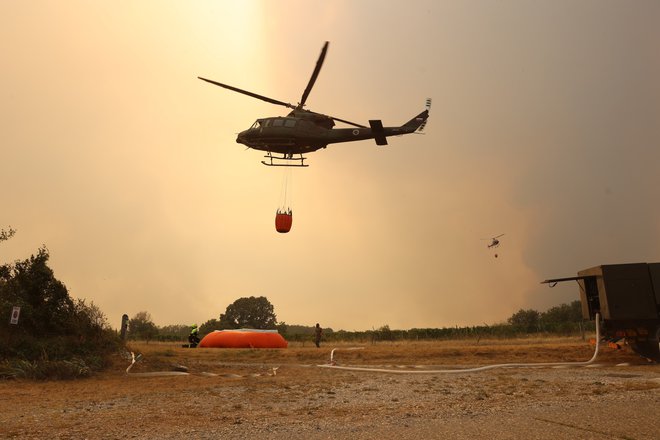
[(545, 127)]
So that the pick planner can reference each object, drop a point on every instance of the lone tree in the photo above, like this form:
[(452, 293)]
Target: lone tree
[(252, 312)]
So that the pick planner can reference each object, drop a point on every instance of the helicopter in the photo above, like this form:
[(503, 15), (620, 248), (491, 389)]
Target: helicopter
[(494, 241), (304, 131)]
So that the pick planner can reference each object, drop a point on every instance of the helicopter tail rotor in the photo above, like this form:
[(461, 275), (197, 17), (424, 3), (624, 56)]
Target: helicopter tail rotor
[(428, 108)]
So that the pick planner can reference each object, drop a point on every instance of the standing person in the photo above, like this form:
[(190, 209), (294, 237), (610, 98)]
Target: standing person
[(318, 332)]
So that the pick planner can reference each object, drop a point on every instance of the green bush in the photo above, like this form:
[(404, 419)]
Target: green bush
[(56, 337)]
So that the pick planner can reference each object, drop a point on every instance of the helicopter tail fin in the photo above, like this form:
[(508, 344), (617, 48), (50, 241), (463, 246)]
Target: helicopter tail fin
[(418, 122)]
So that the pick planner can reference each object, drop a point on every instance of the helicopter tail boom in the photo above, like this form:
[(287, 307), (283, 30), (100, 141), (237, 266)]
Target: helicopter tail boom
[(375, 131)]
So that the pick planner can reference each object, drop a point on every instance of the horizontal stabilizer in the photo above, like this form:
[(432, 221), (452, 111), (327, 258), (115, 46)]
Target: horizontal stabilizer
[(378, 132)]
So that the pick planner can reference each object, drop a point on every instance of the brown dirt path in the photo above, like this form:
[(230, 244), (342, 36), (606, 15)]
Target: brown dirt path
[(306, 402)]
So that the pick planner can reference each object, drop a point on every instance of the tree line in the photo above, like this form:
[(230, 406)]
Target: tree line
[(258, 313), (564, 320)]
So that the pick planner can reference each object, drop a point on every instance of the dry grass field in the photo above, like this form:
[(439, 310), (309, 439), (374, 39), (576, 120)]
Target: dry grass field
[(233, 394)]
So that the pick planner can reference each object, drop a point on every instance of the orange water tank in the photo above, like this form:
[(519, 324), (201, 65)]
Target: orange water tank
[(244, 338), (283, 221)]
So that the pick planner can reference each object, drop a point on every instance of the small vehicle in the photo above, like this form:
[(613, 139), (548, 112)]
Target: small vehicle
[(627, 296)]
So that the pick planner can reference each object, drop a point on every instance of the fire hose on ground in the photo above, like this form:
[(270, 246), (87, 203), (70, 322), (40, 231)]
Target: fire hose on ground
[(137, 358), (332, 364)]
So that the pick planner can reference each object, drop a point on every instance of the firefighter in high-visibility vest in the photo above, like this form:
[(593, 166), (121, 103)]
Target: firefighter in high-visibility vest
[(193, 337)]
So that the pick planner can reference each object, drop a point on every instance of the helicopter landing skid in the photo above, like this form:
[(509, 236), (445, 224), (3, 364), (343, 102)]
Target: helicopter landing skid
[(285, 157)]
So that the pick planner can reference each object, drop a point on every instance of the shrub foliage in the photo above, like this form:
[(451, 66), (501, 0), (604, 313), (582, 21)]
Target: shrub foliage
[(56, 336)]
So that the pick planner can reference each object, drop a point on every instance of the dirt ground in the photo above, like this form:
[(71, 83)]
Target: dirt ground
[(234, 394)]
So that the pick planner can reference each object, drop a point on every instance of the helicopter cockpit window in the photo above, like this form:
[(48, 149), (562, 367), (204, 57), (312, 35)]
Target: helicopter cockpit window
[(278, 122), (289, 122), (256, 125)]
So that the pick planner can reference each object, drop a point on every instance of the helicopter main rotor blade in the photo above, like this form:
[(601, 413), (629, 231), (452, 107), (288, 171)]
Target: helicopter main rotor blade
[(348, 122), (245, 92), (315, 74)]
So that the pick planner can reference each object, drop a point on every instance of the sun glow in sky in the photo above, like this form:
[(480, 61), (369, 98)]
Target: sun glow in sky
[(544, 127)]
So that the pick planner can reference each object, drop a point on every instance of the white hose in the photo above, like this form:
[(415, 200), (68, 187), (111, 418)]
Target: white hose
[(472, 370), (154, 373), (134, 359), (332, 353)]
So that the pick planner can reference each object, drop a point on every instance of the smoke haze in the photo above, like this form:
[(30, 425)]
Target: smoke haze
[(544, 127)]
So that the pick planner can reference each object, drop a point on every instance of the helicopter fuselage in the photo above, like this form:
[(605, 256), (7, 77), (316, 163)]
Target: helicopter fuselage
[(294, 135)]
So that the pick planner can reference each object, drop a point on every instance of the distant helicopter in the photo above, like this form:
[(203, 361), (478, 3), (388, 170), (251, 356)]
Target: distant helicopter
[(494, 241), (303, 131)]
